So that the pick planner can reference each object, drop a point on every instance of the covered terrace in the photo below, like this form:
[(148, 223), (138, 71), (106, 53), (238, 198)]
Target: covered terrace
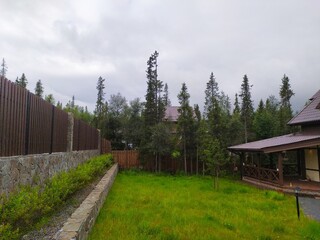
[(283, 162)]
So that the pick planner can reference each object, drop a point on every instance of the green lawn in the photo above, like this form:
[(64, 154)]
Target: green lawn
[(148, 206)]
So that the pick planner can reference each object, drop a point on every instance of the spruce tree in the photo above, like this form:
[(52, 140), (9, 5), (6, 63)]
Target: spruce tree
[(236, 105), (38, 89), (285, 113), (211, 93), (155, 107), (4, 68), (22, 81), (166, 99), (50, 99), (101, 107), (246, 108), (185, 122)]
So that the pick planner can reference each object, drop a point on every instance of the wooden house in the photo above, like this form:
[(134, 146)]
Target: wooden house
[(286, 161)]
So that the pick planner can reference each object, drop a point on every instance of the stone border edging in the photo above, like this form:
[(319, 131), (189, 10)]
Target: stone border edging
[(82, 220)]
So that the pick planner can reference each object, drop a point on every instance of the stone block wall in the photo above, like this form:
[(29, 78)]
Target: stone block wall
[(35, 169), (80, 223)]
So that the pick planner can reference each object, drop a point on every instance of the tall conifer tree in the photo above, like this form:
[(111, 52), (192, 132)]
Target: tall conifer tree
[(38, 89), (22, 81), (100, 111), (185, 121), (4, 68), (285, 113), (246, 108)]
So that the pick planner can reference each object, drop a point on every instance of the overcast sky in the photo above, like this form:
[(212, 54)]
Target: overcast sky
[(69, 44)]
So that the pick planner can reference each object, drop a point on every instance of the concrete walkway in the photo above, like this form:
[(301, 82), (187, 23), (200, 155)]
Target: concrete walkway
[(311, 207)]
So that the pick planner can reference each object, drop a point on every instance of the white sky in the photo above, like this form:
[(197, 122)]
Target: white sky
[(69, 44)]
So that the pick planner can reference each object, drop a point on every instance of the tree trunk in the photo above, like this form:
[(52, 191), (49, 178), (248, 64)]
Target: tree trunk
[(156, 163), (191, 165), (202, 168), (245, 130), (159, 163), (185, 156), (197, 162), (217, 175)]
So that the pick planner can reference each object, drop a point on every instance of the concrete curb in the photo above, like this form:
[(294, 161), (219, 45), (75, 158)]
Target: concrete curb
[(82, 220)]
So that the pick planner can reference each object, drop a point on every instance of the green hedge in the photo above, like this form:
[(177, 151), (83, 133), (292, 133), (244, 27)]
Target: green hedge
[(23, 209)]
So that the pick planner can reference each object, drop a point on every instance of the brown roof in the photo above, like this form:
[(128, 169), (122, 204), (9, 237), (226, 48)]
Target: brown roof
[(281, 143), (310, 113), (171, 114)]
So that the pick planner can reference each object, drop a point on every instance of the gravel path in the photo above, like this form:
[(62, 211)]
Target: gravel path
[(61, 215), (311, 207)]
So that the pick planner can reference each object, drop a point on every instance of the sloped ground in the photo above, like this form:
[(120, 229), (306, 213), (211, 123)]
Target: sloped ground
[(55, 223)]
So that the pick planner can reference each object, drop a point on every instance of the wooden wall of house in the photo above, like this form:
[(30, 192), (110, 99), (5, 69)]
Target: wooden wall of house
[(312, 164)]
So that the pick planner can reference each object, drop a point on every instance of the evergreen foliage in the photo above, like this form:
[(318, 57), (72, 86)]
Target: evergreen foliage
[(246, 109), (50, 99), (23, 82), (186, 128), (38, 89), (4, 68), (100, 112), (154, 106), (166, 100), (285, 113)]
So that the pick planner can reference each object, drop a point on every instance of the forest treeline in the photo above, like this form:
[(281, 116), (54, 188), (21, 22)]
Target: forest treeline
[(199, 136)]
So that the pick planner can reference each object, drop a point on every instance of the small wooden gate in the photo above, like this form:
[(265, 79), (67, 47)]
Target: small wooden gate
[(126, 159)]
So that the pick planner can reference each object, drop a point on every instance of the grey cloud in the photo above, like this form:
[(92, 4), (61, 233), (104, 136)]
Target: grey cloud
[(69, 45)]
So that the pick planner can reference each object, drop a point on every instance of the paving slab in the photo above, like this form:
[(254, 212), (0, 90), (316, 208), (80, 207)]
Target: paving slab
[(311, 207)]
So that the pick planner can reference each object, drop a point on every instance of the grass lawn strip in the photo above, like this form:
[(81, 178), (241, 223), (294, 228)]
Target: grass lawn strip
[(148, 206)]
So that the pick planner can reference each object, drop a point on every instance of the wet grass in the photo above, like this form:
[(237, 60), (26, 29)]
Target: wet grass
[(148, 206)]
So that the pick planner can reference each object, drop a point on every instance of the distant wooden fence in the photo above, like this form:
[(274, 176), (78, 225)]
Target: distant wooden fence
[(105, 146), (30, 125), (131, 159), (126, 159)]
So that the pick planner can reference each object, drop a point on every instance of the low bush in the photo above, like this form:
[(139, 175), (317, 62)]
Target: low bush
[(22, 209)]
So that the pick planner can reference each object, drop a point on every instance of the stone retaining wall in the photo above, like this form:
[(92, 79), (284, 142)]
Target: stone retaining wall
[(35, 169), (82, 220)]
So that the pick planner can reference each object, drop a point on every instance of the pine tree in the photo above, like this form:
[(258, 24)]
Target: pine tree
[(100, 110), (22, 81), (4, 68), (236, 105), (50, 99), (212, 93), (217, 109), (197, 114), (185, 122), (38, 89), (155, 107), (166, 99), (72, 104), (285, 113), (246, 108)]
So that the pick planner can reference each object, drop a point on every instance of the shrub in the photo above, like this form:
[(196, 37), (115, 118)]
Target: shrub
[(22, 209)]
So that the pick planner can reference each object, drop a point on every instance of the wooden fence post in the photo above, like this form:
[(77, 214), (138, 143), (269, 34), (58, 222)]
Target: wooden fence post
[(70, 132)]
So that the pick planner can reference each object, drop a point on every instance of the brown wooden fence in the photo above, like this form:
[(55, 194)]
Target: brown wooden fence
[(105, 146), (84, 136), (126, 159), (30, 125)]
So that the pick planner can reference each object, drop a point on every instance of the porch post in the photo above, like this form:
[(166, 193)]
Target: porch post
[(241, 164), (259, 176), (280, 169)]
